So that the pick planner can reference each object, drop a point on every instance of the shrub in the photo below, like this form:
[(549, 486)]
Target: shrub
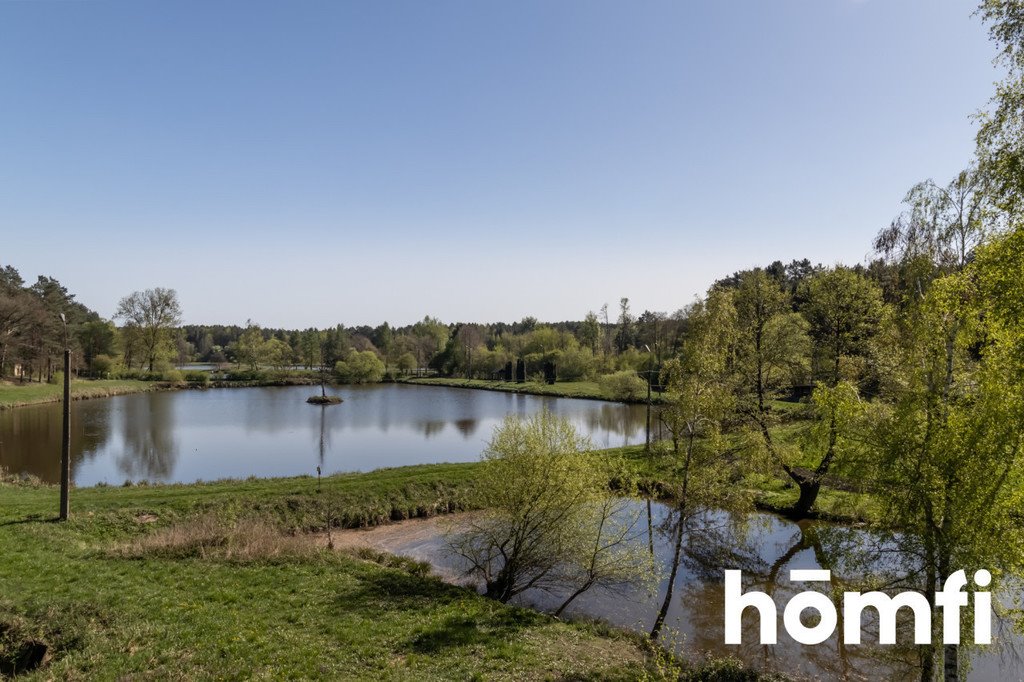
[(575, 364), (102, 365), (197, 377), (172, 375), (57, 378), (360, 367), (625, 386)]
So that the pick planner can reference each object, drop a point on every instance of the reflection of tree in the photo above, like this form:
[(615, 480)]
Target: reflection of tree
[(467, 427), (151, 451), (840, 550), (621, 420), (703, 541), (30, 437), (431, 427), (324, 441)]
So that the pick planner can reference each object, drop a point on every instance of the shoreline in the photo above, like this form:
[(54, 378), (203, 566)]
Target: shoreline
[(578, 390), (88, 389)]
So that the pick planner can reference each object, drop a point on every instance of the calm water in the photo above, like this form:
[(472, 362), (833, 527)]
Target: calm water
[(184, 436), (766, 548)]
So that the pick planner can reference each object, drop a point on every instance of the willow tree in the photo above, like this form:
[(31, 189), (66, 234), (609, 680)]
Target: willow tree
[(947, 440), (548, 522)]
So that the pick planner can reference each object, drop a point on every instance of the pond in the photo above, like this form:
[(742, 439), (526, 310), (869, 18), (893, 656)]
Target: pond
[(184, 436), (766, 547)]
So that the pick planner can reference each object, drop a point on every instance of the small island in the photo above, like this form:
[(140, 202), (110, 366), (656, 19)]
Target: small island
[(324, 399)]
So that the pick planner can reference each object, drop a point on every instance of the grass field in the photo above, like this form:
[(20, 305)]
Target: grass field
[(16, 395), (105, 612)]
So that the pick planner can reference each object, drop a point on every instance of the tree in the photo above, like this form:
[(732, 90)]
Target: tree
[(547, 522), (251, 349), (772, 348), (625, 337), (844, 310), (406, 363), (96, 338), (277, 353), (589, 332), (360, 367), (699, 396), (1001, 133), (151, 315), (941, 225), (947, 442)]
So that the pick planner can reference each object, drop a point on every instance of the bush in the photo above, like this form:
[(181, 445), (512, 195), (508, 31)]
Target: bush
[(575, 364), (625, 386), (197, 377), (173, 376), (361, 367), (102, 365), (57, 378)]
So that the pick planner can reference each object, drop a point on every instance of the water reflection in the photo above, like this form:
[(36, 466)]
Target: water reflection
[(218, 433), (766, 548), (150, 449)]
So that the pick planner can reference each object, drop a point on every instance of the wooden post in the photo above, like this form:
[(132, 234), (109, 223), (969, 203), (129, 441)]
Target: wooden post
[(65, 449)]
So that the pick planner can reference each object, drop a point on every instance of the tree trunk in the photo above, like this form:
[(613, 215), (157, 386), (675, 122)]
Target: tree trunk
[(809, 489), (951, 664), (572, 597), (659, 622)]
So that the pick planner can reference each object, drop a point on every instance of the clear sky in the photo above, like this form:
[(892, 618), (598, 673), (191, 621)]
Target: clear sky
[(305, 163)]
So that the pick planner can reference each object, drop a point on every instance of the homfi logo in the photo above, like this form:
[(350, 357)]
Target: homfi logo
[(951, 599)]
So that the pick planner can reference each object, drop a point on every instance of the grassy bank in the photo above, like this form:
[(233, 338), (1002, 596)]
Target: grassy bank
[(206, 581), (656, 475), (17, 395), (199, 612), (589, 390)]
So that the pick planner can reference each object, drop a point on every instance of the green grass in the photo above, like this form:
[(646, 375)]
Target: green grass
[(655, 474), (16, 395), (563, 389), (319, 614)]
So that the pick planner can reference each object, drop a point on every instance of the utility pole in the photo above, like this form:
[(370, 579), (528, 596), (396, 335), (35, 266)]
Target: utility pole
[(65, 448)]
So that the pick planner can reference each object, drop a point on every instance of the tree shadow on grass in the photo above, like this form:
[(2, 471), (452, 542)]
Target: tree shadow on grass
[(490, 630), (389, 590), (31, 518)]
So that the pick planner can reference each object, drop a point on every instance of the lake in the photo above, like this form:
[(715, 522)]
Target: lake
[(189, 435)]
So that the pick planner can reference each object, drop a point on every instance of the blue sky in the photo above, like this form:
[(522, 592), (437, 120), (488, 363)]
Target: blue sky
[(308, 163)]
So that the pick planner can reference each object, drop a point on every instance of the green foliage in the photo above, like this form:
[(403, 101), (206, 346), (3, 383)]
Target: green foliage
[(548, 520), (106, 616), (197, 377), (844, 310), (103, 365), (360, 367), (406, 362), (625, 386), (947, 443), (575, 364), (1001, 134)]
